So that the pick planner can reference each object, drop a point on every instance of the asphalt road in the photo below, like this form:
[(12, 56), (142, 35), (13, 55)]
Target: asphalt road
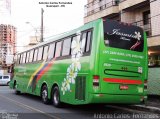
[(26, 106)]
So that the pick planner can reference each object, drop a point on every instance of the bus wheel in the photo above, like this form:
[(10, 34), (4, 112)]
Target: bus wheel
[(44, 94), (16, 91), (56, 97)]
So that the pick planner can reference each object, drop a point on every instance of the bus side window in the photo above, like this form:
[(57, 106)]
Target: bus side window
[(58, 49), (27, 59), (66, 47), (24, 58), (35, 55), (88, 41), (31, 56), (18, 59), (75, 38), (21, 59), (40, 51), (84, 41), (51, 51), (45, 52)]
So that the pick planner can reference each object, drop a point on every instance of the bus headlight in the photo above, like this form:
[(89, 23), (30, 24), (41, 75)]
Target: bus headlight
[(140, 70)]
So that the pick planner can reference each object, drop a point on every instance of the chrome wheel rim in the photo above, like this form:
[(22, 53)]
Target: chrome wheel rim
[(56, 97), (44, 95)]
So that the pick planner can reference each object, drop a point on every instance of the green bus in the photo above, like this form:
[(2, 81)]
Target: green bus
[(103, 61)]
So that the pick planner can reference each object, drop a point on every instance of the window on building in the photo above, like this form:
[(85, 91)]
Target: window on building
[(154, 60), (58, 49), (45, 53), (146, 22), (146, 17), (66, 47), (51, 50), (40, 52)]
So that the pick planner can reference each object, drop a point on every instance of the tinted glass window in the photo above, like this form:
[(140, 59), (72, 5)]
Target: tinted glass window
[(51, 51), (21, 59), (35, 55), (66, 47), (24, 57), (88, 41), (40, 51), (5, 77), (58, 49), (0, 77), (31, 55), (154, 60), (18, 60), (27, 59), (122, 36), (84, 35), (77, 39), (45, 53)]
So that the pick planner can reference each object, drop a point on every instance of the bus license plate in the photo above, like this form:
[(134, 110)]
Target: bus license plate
[(123, 87)]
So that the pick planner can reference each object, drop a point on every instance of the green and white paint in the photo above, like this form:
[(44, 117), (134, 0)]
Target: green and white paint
[(75, 67)]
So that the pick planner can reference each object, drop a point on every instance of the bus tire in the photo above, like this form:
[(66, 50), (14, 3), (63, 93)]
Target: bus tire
[(44, 94), (16, 91), (56, 97)]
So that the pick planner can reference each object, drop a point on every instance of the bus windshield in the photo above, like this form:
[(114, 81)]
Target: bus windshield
[(123, 36)]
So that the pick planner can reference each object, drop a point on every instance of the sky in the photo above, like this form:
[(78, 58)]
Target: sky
[(56, 19)]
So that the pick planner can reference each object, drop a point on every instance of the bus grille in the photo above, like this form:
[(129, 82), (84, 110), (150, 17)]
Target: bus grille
[(80, 87)]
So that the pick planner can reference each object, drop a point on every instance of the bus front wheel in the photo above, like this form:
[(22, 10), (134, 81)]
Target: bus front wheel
[(44, 94), (56, 97), (17, 92)]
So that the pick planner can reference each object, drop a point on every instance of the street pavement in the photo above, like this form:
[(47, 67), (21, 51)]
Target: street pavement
[(26, 106)]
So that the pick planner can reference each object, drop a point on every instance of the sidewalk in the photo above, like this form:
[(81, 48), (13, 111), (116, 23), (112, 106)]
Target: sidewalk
[(153, 104)]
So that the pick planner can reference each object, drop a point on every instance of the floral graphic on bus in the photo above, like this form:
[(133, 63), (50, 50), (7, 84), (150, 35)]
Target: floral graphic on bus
[(75, 67), (71, 73), (138, 36)]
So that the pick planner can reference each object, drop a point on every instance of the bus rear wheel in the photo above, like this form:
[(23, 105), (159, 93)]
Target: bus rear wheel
[(44, 94), (56, 97)]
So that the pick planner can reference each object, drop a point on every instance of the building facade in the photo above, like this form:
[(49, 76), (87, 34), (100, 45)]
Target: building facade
[(143, 13), (7, 42), (34, 40), (7, 38)]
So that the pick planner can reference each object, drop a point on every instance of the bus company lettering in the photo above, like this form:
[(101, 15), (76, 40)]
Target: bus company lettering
[(117, 32), (123, 54)]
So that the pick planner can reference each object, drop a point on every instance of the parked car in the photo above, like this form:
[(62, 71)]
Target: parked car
[(4, 79)]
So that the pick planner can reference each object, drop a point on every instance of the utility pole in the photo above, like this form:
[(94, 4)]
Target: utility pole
[(42, 11)]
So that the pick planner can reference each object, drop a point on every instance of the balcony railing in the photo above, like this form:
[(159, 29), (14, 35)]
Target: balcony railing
[(99, 5), (145, 24)]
